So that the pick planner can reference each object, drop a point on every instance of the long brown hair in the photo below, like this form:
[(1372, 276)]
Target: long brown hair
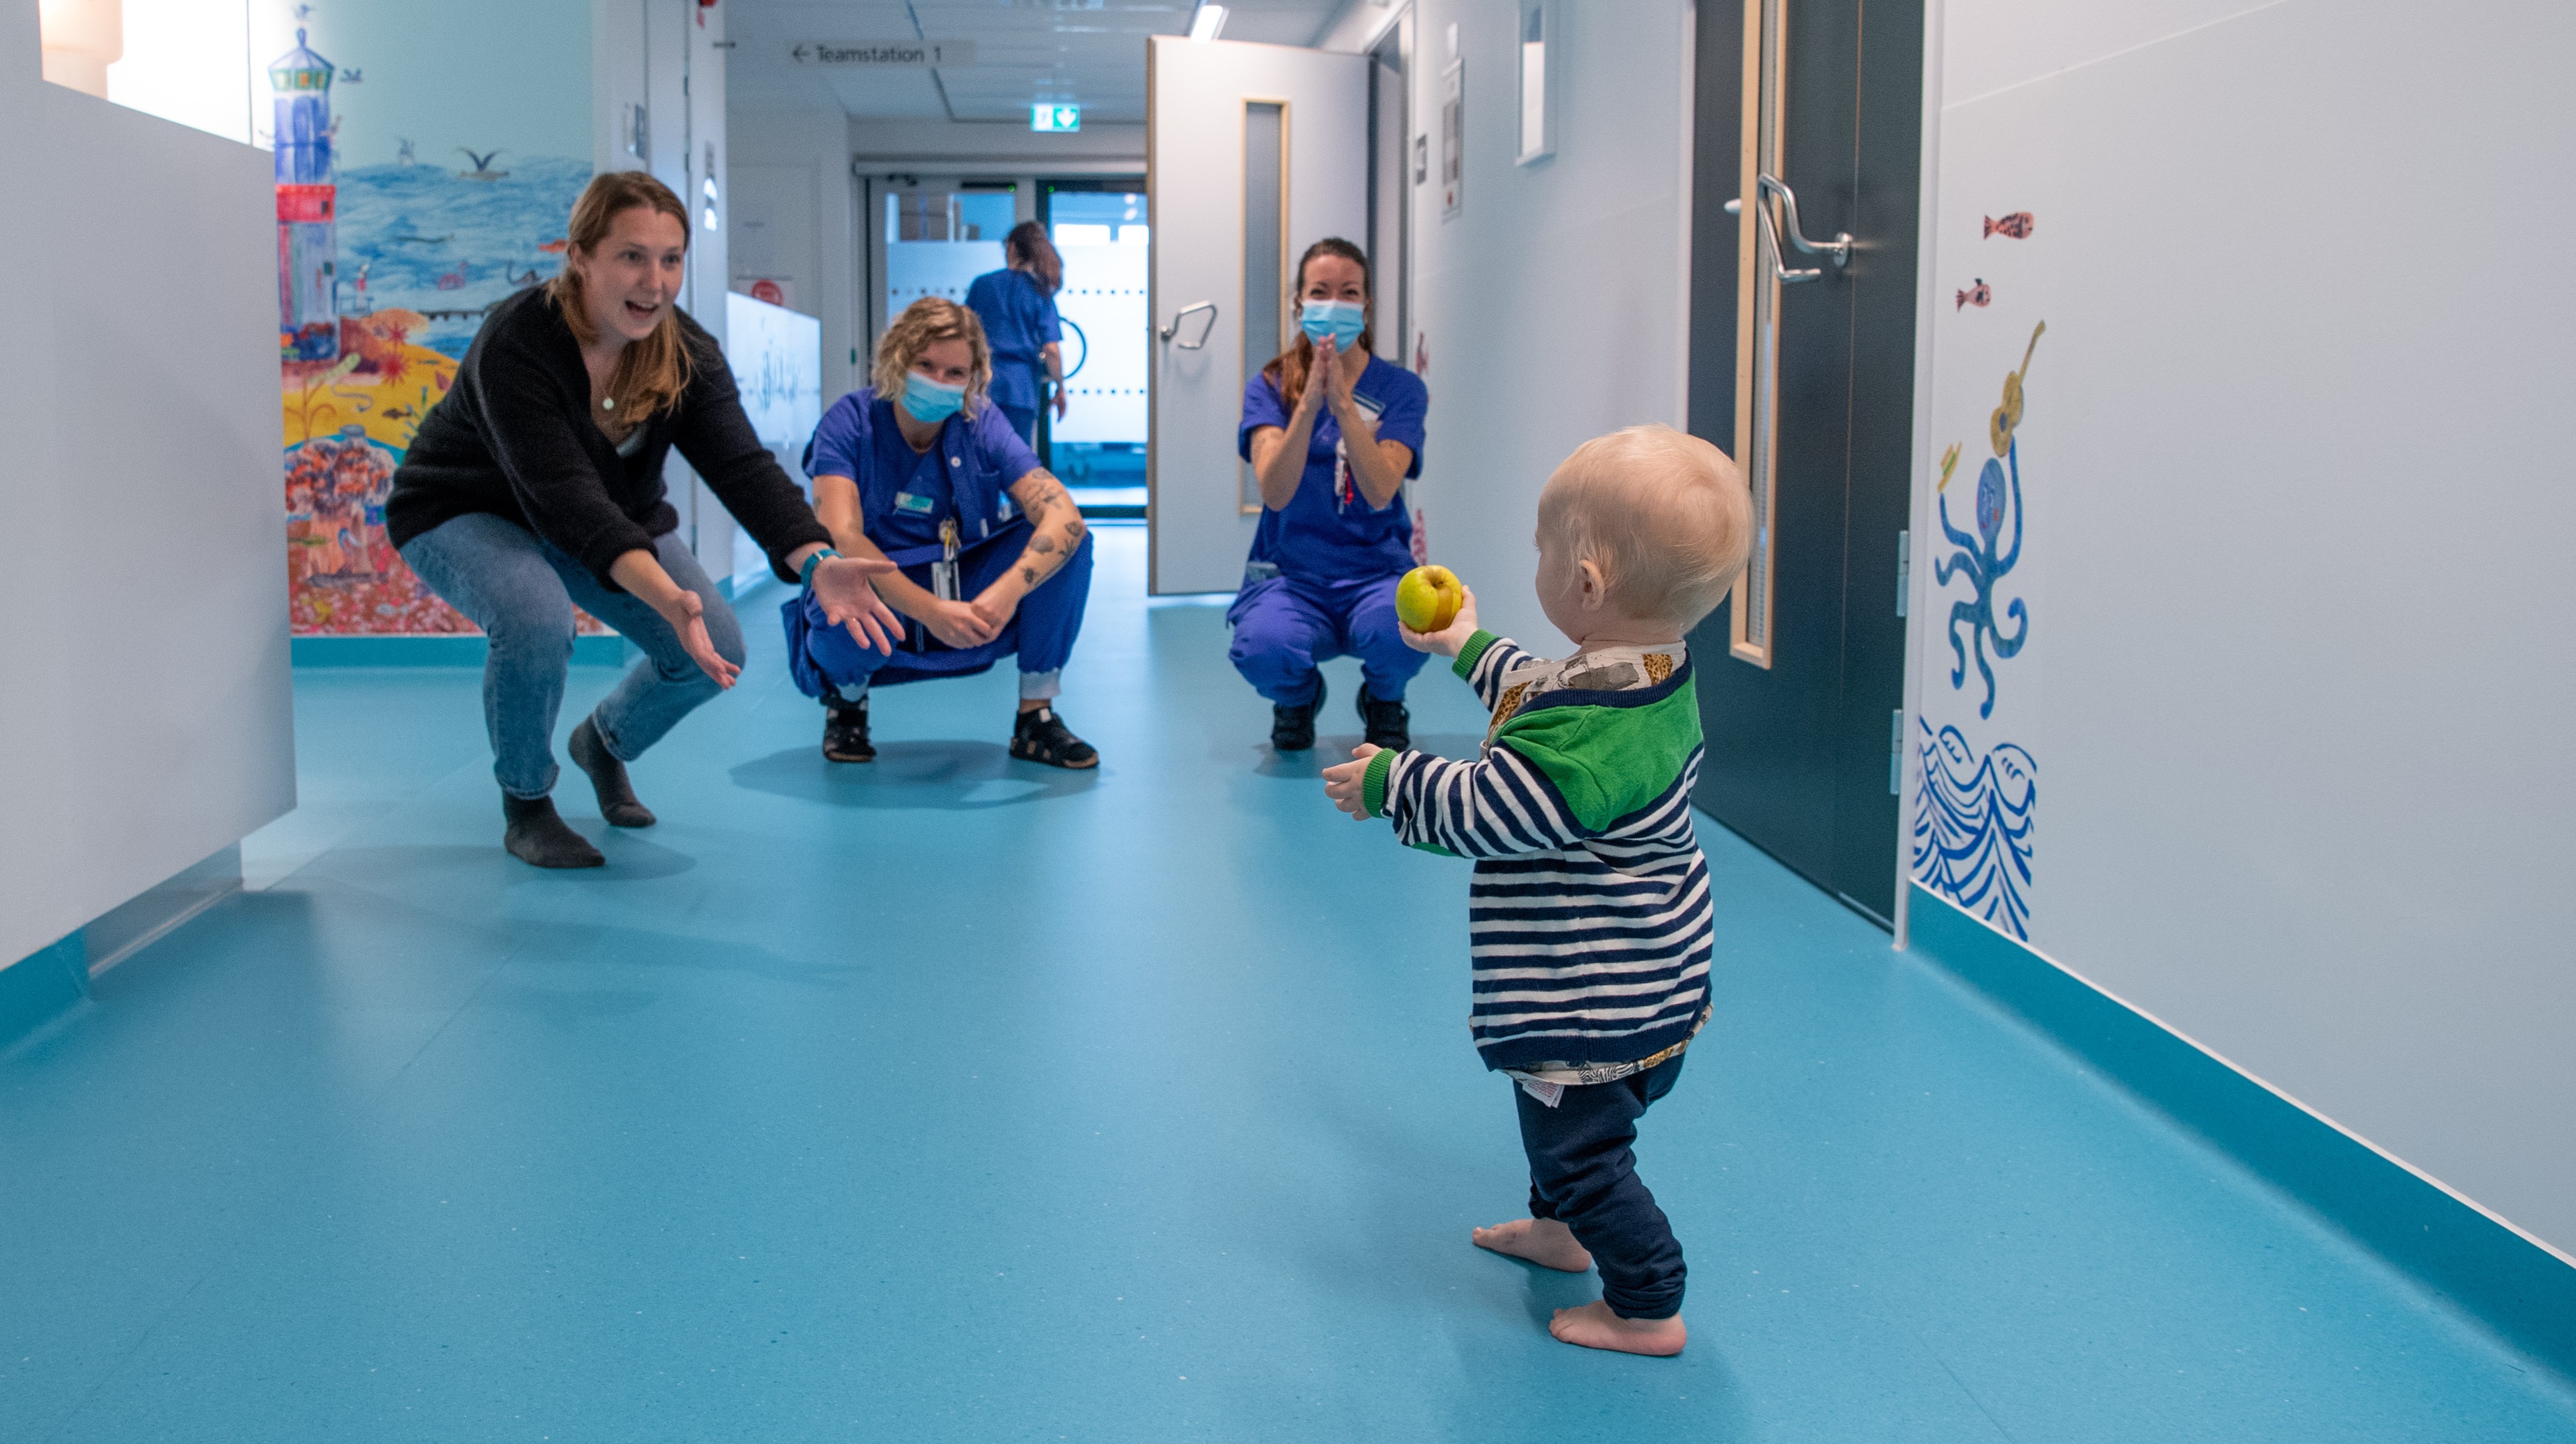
[(1027, 245), (651, 373), (1288, 369), (924, 324)]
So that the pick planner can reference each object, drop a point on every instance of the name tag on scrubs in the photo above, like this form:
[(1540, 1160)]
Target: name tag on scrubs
[(918, 505)]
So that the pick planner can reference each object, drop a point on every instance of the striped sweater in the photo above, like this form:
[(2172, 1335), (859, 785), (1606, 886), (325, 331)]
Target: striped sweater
[(1589, 911)]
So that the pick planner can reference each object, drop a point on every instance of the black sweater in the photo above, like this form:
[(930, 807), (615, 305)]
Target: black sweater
[(514, 437)]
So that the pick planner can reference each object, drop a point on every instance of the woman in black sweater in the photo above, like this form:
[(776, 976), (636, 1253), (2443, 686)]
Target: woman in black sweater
[(537, 483)]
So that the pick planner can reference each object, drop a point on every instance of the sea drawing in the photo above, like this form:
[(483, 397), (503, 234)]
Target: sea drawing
[(1983, 559), (1973, 817), (384, 275)]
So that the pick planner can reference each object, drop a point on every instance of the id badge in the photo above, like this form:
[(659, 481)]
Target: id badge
[(943, 581), (917, 505)]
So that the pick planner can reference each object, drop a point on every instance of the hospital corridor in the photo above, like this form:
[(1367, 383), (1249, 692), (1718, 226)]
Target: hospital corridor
[(1799, 720)]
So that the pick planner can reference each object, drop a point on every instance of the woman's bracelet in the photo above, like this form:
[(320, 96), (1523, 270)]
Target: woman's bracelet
[(805, 573)]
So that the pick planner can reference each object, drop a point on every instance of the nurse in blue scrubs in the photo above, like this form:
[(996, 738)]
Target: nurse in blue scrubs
[(921, 469), (1017, 307), (1332, 433)]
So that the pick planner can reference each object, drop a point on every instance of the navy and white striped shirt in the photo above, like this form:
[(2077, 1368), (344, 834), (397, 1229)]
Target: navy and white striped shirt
[(1589, 912)]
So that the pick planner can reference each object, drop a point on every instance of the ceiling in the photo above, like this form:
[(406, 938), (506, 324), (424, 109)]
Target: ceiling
[(1089, 53)]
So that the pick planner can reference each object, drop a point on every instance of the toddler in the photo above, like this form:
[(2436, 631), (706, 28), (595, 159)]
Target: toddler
[(1589, 911)]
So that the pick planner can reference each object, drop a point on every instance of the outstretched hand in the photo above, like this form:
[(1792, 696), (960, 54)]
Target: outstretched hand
[(1342, 781), (841, 585), (1450, 640), (687, 614)]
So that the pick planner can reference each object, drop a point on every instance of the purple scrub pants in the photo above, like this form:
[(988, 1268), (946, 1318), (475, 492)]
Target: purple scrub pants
[(1284, 626)]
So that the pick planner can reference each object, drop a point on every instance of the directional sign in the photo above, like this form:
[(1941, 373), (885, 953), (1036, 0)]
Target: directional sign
[(899, 54), (1055, 117)]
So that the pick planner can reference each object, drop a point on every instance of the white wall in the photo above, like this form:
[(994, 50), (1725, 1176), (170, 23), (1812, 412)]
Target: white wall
[(1553, 305), (2295, 463), (791, 178), (147, 722)]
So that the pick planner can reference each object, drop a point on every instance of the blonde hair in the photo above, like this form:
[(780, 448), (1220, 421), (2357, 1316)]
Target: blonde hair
[(1665, 516), (924, 324), (652, 373)]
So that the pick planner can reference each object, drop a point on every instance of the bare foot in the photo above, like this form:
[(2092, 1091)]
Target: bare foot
[(1595, 1327), (1542, 1241)]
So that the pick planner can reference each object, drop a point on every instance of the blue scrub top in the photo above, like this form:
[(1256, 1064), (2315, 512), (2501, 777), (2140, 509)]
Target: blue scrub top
[(903, 496), (1019, 317), (1328, 531)]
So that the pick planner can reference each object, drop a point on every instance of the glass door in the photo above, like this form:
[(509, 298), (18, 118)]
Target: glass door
[(1102, 231)]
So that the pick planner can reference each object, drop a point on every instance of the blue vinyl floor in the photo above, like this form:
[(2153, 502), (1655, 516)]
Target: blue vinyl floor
[(955, 1099)]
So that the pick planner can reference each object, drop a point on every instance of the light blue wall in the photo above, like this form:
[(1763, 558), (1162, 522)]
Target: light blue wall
[(481, 74)]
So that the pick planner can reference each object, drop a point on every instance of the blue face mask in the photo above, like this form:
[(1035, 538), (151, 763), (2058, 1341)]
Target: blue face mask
[(1341, 320), (930, 402)]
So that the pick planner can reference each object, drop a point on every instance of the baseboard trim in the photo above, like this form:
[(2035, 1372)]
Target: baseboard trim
[(607, 650), (42, 986), (2517, 1286)]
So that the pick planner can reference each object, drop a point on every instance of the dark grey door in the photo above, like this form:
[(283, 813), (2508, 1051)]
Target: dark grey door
[(1808, 382)]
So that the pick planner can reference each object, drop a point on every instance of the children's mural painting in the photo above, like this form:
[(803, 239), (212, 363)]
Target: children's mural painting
[(1976, 794), (384, 274)]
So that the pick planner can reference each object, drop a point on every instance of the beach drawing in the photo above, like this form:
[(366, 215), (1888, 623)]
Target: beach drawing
[(384, 275)]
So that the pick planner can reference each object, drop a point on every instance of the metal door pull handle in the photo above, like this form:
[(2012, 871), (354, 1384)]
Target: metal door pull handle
[(1174, 329), (1762, 223), (1839, 248)]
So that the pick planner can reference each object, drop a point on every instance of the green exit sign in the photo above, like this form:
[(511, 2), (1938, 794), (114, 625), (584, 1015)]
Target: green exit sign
[(1055, 117)]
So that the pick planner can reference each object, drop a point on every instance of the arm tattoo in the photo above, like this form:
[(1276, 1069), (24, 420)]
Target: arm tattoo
[(1043, 545), (1029, 575)]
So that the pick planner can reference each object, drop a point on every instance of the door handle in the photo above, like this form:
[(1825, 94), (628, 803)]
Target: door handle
[(1174, 329), (1839, 248), (1762, 223)]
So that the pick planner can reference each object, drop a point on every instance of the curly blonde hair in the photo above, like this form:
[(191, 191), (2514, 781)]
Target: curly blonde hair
[(924, 324)]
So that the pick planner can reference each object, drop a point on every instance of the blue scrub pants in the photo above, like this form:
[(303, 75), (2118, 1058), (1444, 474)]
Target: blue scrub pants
[(1024, 420), (821, 655), (1284, 626)]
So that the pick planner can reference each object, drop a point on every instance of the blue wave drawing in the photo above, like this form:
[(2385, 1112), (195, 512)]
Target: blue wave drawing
[(1972, 824), (407, 228)]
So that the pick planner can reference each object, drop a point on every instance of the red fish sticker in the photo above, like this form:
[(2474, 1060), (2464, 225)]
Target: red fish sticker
[(1979, 294), (2017, 225)]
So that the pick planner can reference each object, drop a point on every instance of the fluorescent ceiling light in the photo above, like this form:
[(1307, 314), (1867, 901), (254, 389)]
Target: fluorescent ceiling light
[(1206, 21)]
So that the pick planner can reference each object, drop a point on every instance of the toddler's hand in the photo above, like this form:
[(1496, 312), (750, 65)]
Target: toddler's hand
[(1449, 639), (1342, 781)]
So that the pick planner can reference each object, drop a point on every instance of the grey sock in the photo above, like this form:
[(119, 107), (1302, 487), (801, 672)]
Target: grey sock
[(538, 837), (617, 800)]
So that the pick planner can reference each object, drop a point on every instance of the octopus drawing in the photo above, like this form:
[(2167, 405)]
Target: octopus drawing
[(1983, 559)]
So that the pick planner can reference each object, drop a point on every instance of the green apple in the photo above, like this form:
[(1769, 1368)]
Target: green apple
[(1428, 598)]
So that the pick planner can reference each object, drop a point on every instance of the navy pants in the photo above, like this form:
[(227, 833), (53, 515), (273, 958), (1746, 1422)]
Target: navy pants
[(1042, 631), (1583, 1175), (1283, 626)]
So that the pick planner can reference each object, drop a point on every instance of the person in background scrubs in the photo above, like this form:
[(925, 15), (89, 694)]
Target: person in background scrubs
[(1332, 433), (920, 469), (1017, 307)]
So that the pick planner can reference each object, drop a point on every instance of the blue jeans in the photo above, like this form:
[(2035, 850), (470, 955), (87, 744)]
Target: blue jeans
[(1283, 626), (1583, 1175), (520, 590)]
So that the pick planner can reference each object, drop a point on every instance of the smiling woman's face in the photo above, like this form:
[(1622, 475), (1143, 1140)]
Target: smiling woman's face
[(630, 278)]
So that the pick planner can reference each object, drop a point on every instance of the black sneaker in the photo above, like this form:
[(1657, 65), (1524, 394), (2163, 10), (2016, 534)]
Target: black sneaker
[(845, 731), (1292, 729), (1041, 736), (1389, 725)]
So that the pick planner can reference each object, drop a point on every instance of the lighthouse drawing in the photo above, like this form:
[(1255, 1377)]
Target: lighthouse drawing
[(307, 220)]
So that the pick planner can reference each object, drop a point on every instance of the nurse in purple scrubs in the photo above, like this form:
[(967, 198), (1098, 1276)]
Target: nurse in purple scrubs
[(1332, 433)]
